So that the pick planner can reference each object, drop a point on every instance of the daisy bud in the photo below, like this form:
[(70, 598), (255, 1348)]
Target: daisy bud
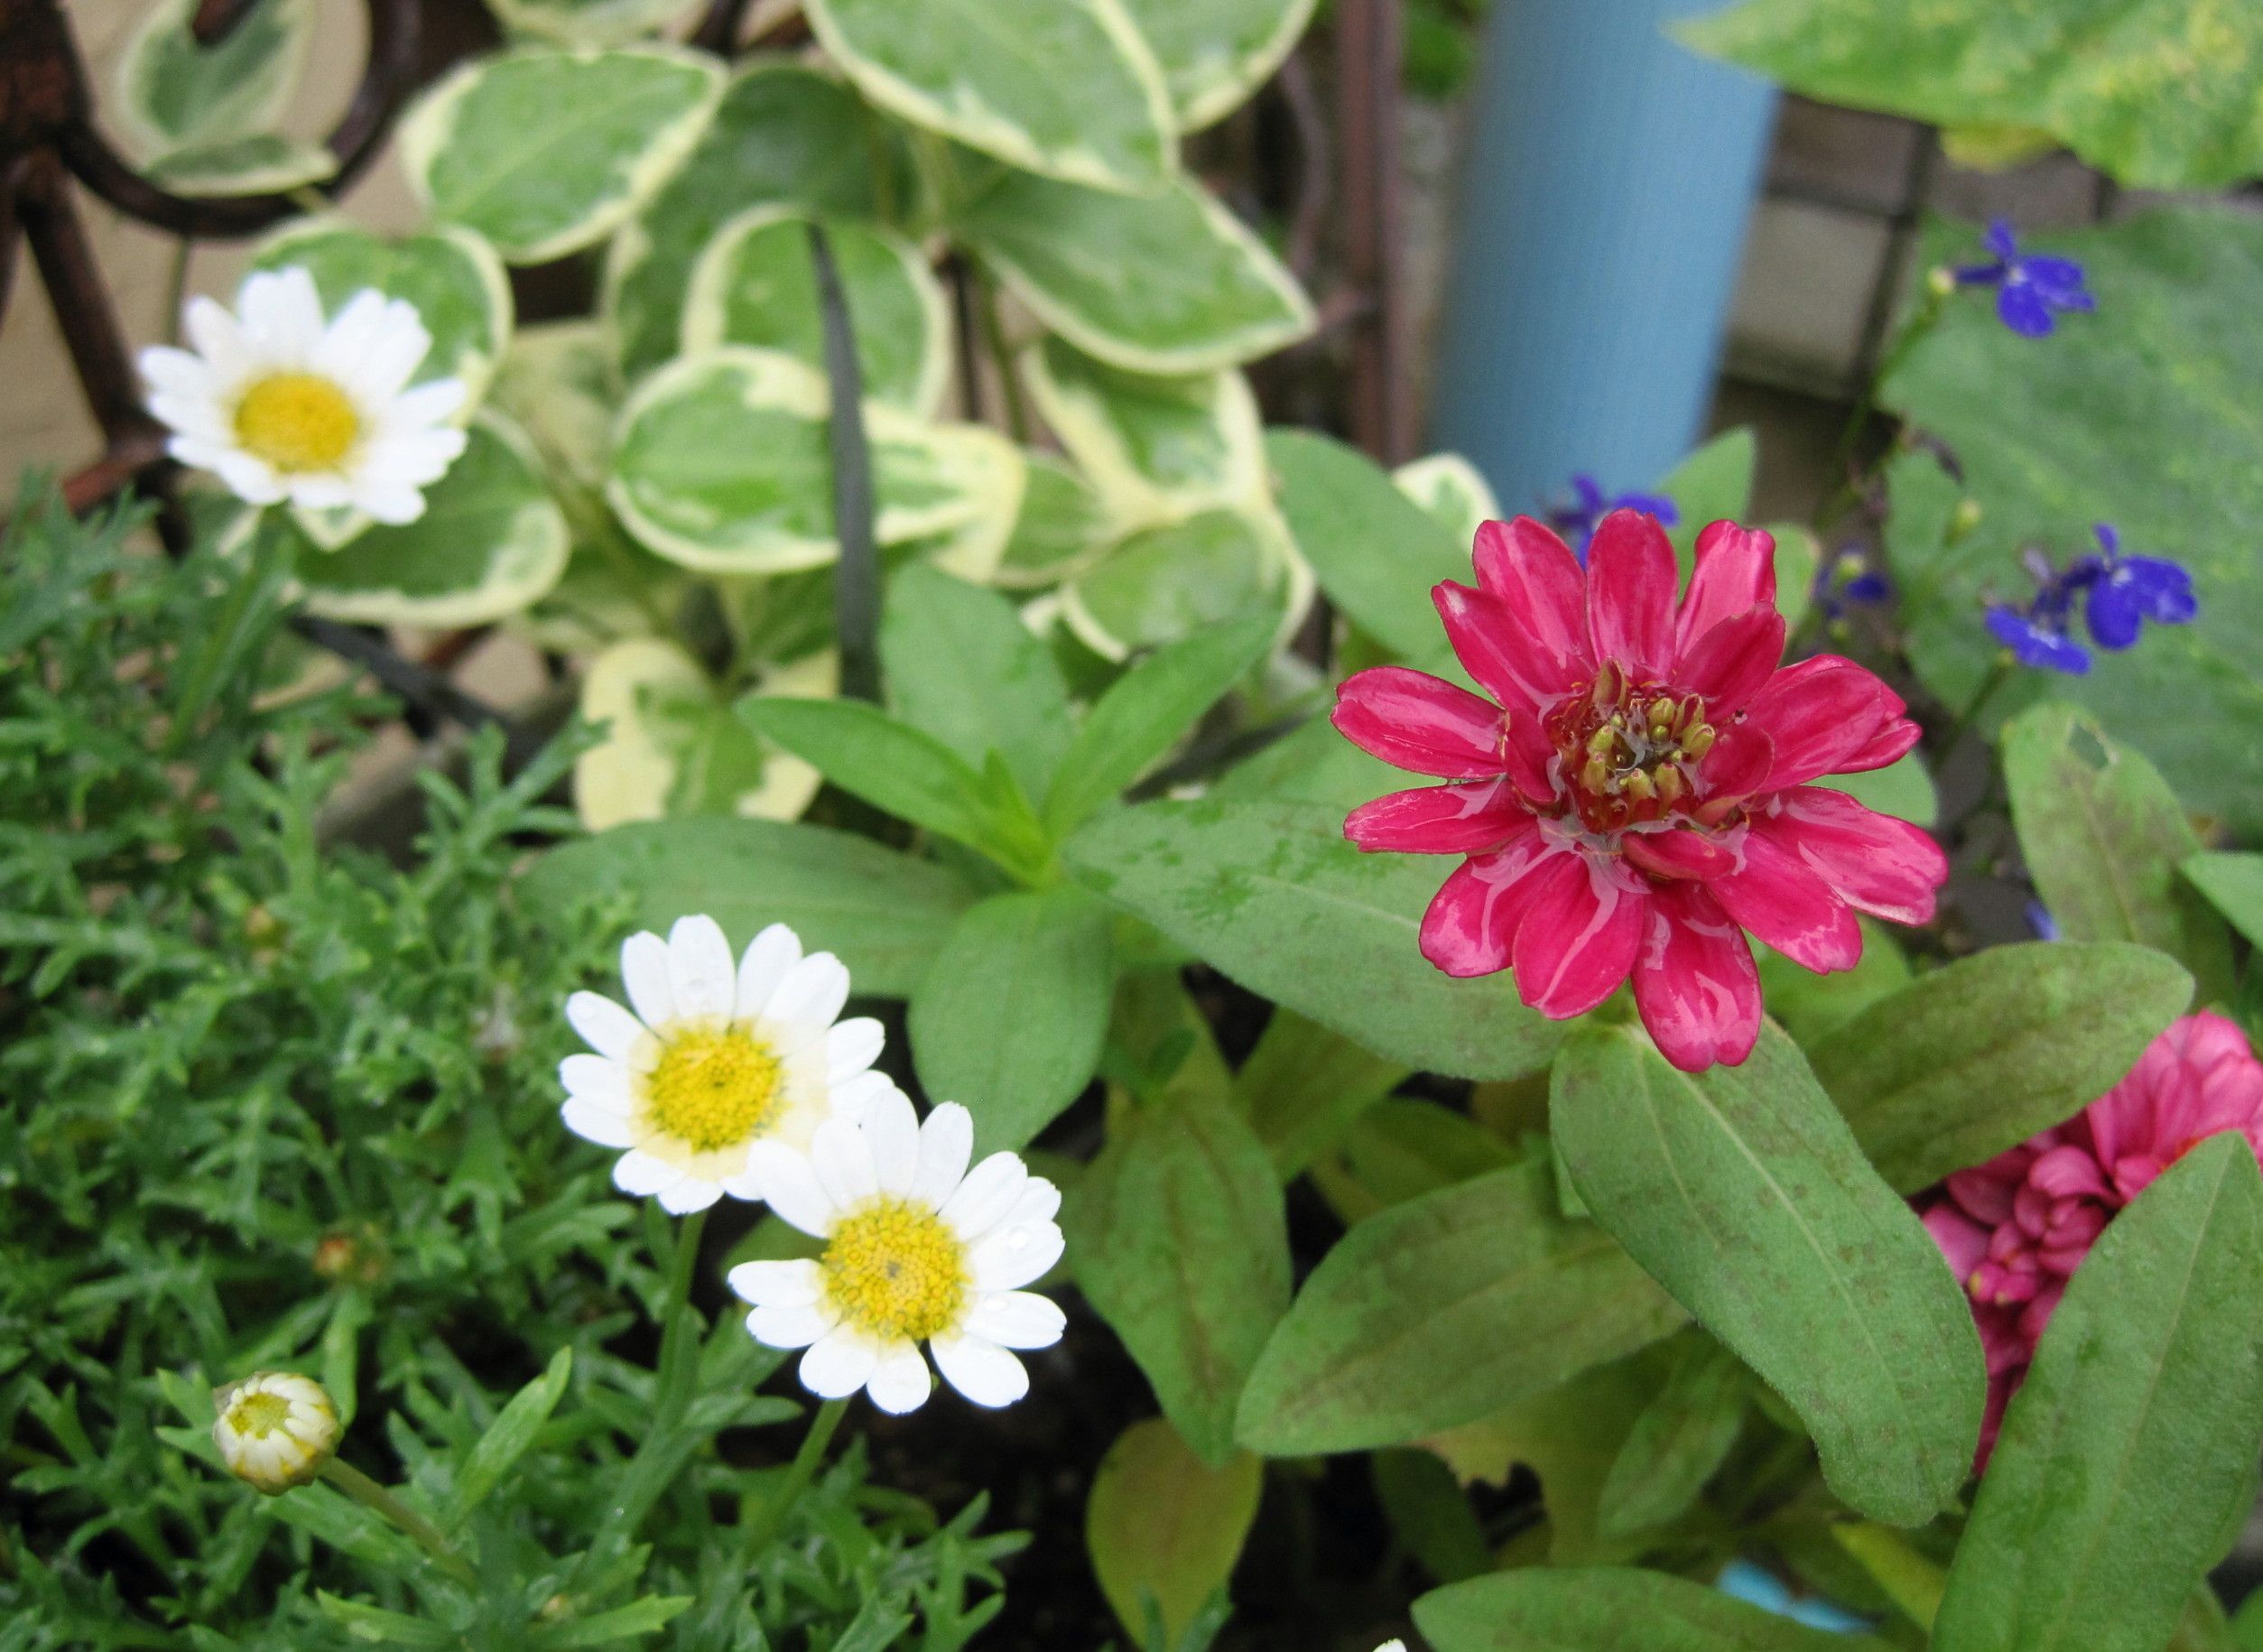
[(275, 1429)]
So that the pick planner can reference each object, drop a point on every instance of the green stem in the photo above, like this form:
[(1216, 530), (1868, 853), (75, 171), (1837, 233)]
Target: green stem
[(766, 1525), (1980, 697), (679, 1345), (993, 325), (372, 1496)]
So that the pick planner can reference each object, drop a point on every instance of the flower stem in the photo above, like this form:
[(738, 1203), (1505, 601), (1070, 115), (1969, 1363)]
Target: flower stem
[(766, 1525), (1980, 697), (372, 1496), (679, 1345)]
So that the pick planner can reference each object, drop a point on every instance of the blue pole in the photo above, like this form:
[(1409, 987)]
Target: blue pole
[(1604, 198)]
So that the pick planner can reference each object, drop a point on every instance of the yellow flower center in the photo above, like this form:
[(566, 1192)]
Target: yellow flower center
[(714, 1088), (297, 422), (257, 1415), (894, 1269)]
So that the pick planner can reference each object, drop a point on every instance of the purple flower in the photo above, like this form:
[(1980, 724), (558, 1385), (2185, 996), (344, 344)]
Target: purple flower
[(1577, 524), (2037, 642), (1847, 581), (2125, 591), (2028, 289)]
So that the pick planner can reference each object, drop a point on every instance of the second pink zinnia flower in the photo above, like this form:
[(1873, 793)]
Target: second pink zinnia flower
[(1634, 794)]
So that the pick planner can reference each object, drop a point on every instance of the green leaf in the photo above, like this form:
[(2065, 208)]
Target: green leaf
[(588, 23), (1063, 88), (1011, 1016), (757, 285), (508, 1437), (1975, 1057), (1154, 448), (1911, 1580), (1401, 1149), (1714, 484), (644, 1616), (2105, 841), (885, 915), (2132, 422), (1144, 713), (1743, 1191), (2155, 92), (1430, 1513), (460, 290), (1061, 526), (1681, 1439), (1178, 1238), (2130, 1451), (786, 132), (364, 1622), (1302, 1087), (259, 164), (1377, 551), (1902, 789), (1807, 1006), (1440, 1310), (1215, 54), (1164, 1528), (556, 379), (961, 665), (1185, 286), (1451, 489), (491, 541), (911, 774), (1271, 896), (1607, 1608), (174, 93), (1315, 765), (2233, 885), (486, 147), (1162, 584)]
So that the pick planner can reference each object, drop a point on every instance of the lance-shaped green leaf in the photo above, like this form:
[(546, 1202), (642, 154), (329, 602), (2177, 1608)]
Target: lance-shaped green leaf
[(1164, 1528), (1400, 1149), (1742, 1191), (1178, 1237), (1271, 895), (1314, 764), (1609, 1608), (1439, 1312), (2128, 1456), (1154, 446), (588, 23), (885, 915), (486, 148), (507, 1438), (1975, 1057), (1302, 1087), (1162, 584), (452, 275), (1377, 551), (174, 94), (1010, 1018), (2105, 841), (1064, 88), (960, 665), (1681, 1439), (491, 541), (2152, 92), (1453, 490), (2233, 885), (757, 285), (1215, 54), (1186, 287)]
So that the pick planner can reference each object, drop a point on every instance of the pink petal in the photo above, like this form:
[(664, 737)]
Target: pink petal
[(1985, 1192), (1420, 722), (1533, 575), (1472, 922), (1893, 742), (2067, 1172), (1961, 1240), (1631, 582), (1736, 570), (1738, 764), (1578, 937), (1874, 862), (1694, 980), (1732, 662), (1679, 852), (1503, 656), (1820, 713), (1466, 818), (1775, 897), (1527, 750)]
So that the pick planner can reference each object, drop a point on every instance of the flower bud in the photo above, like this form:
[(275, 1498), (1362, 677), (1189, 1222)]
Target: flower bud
[(275, 1429), (1964, 519), (1941, 281)]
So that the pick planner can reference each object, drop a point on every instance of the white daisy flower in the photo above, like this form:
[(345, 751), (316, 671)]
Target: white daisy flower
[(718, 1056), (283, 406), (275, 1430), (918, 1248)]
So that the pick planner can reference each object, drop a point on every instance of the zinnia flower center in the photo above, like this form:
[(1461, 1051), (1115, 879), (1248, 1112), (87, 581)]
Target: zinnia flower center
[(895, 1270), (257, 1415), (714, 1088), (297, 422), (1630, 750)]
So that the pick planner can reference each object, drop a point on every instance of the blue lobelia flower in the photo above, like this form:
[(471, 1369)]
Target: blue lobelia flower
[(1577, 523), (2038, 634), (2125, 591), (1845, 581), (2029, 287)]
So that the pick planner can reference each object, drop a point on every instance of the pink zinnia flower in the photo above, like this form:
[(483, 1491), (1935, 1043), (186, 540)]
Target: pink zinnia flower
[(2017, 1228), (1637, 796)]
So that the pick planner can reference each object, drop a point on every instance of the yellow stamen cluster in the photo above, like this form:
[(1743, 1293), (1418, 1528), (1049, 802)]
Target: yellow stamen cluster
[(1630, 751), (297, 422), (896, 1271), (713, 1088)]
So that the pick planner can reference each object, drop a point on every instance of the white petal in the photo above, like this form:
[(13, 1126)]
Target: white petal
[(852, 1046), (1017, 1318), (608, 1028), (1010, 1257), (700, 968), (603, 1081), (839, 1363), (427, 404), (688, 1195), (789, 1184), (214, 334), (394, 507), (842, 1159), (177, 373), (900, 1382), (410, 458), (249, 480), (808, 999), (644, 972), (768, 957), (787, 1327), (946, 1142), (987, 1194), (640, 1173), (852, 1099), (593, 1121), (1040, 1201), (395, 355), (319, 490), (981, 1370), (892, 1139), (779, 1284), (351, 335)]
